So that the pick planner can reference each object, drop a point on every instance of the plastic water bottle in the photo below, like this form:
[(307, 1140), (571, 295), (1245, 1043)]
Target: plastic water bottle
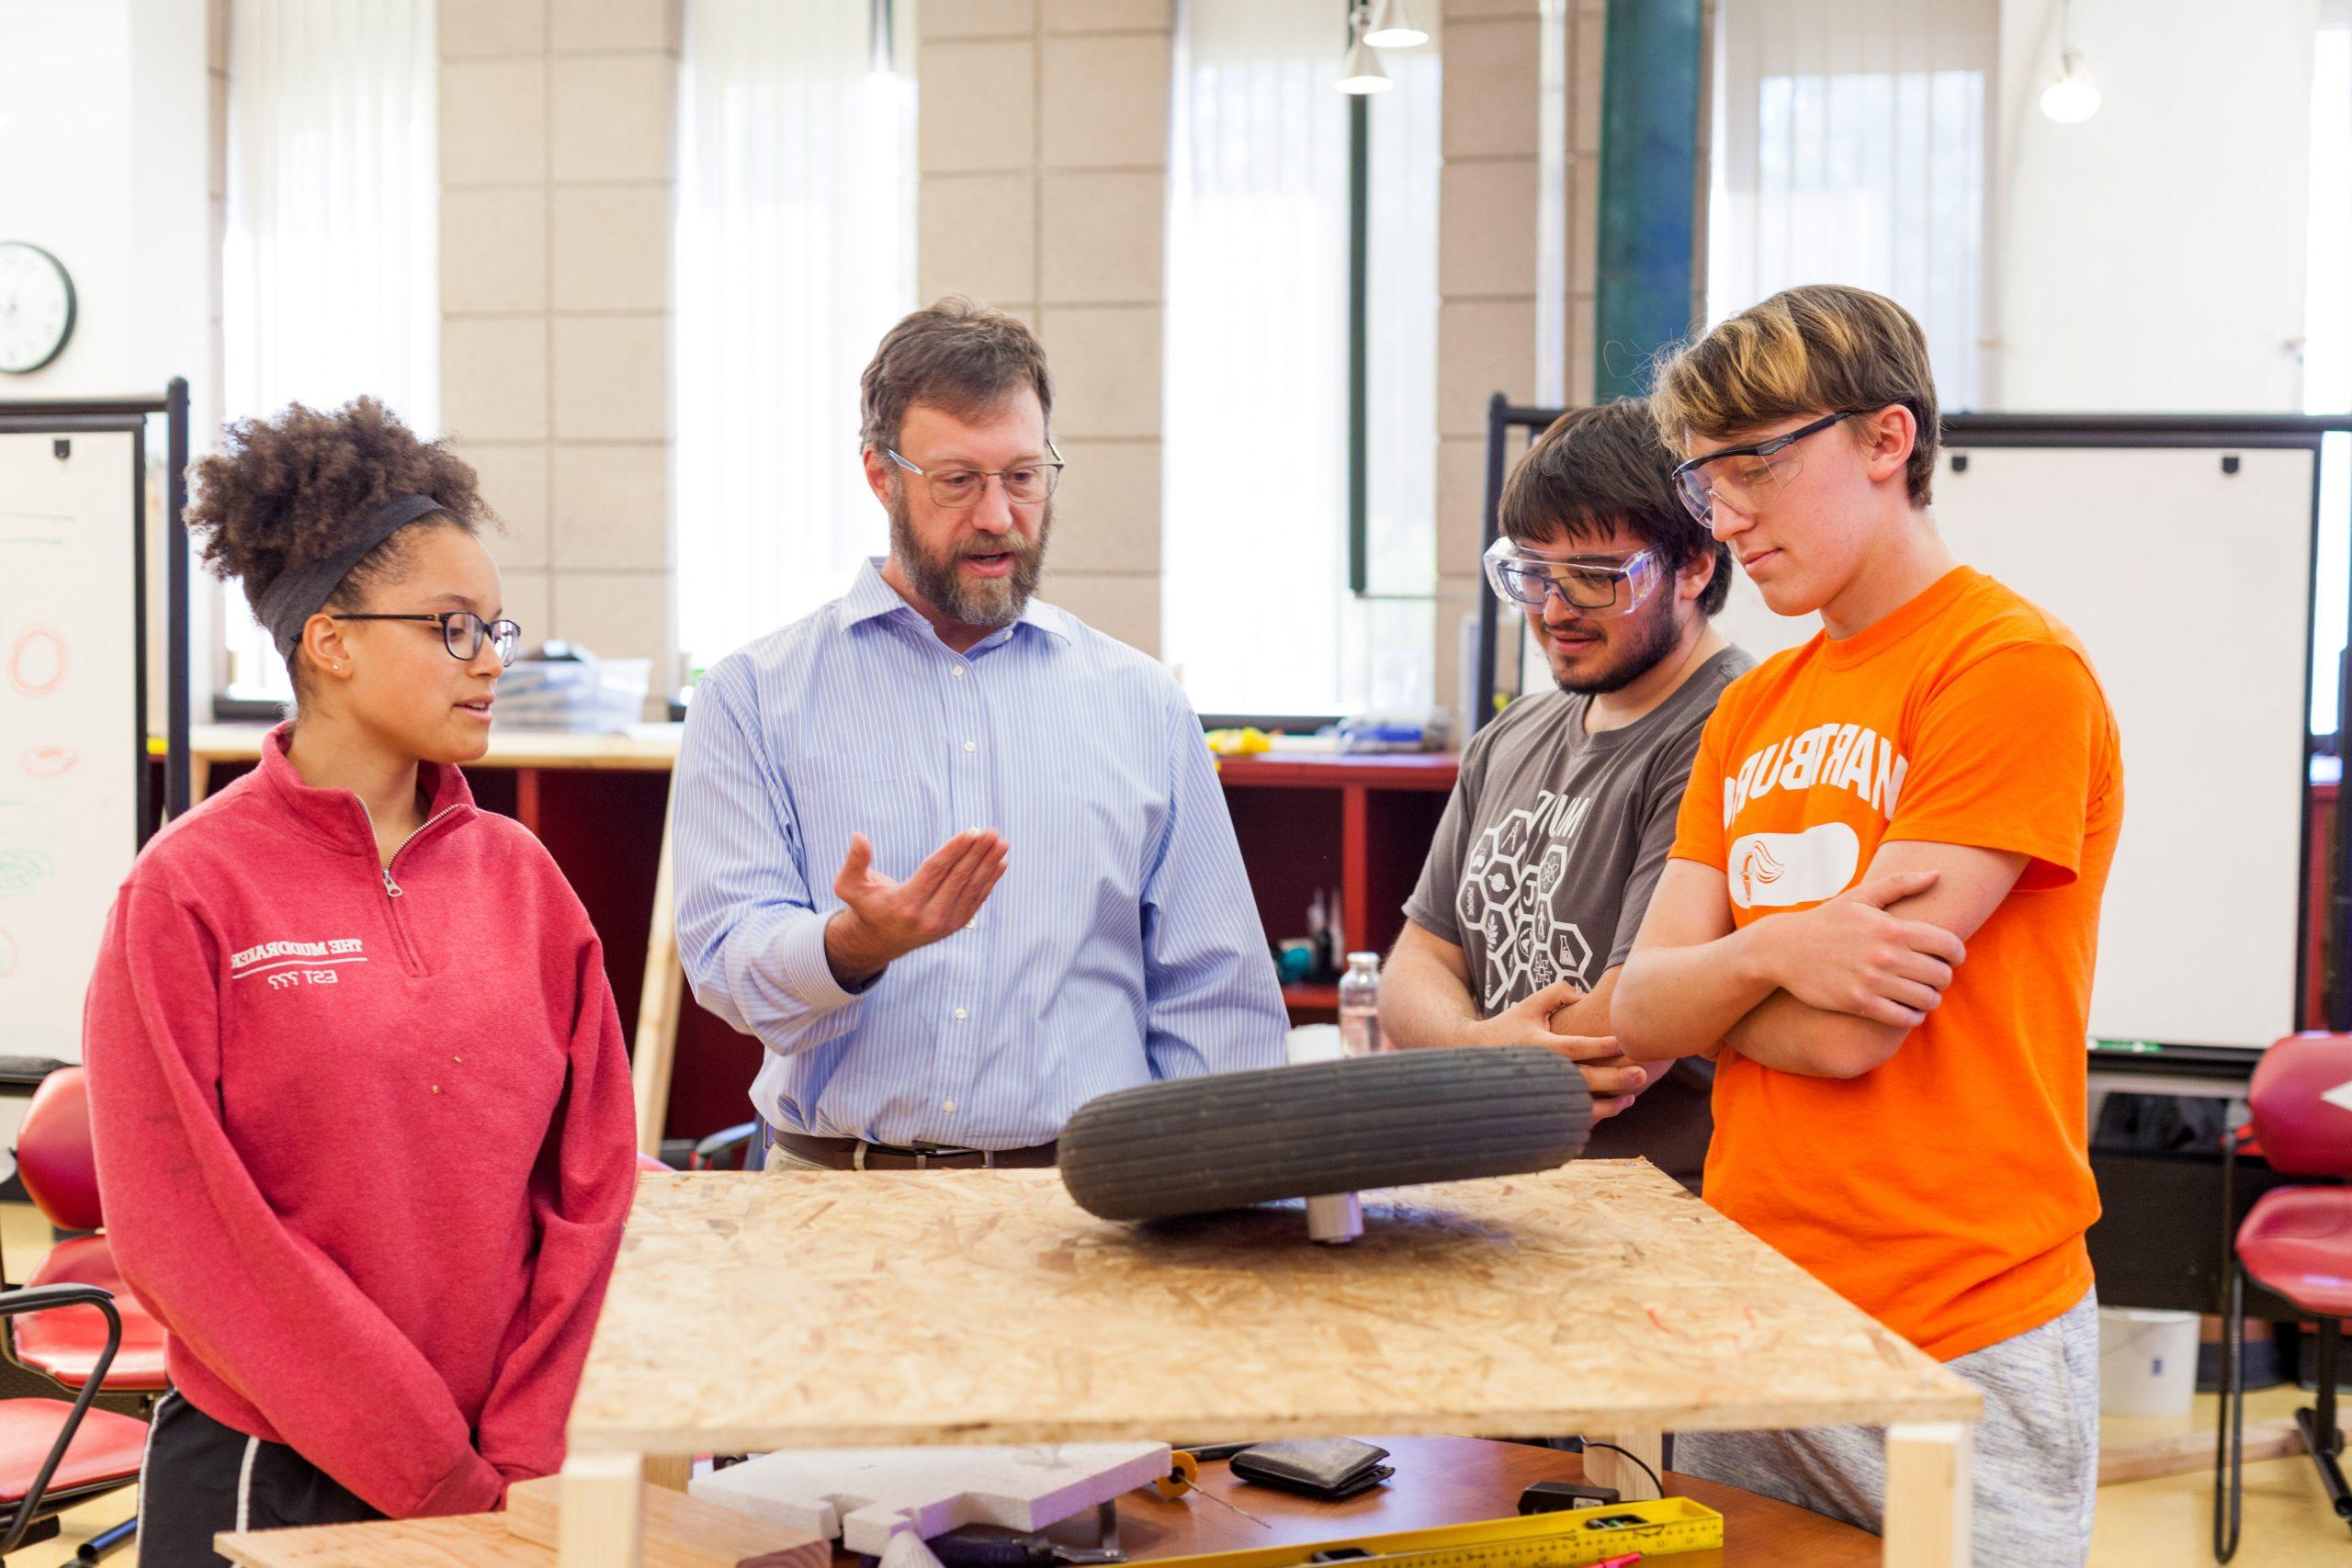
[(1360, 1005)]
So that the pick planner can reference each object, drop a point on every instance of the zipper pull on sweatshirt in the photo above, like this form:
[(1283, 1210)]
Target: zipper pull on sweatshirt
[(392, 888)]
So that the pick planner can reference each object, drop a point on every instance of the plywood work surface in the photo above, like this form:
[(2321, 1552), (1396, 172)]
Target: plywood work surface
[(845, 1309)]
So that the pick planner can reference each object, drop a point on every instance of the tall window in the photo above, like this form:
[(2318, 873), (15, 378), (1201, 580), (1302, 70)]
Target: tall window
[(1849, 147), (329, 279), (794, 253), (1257, 611), (2327, 339)]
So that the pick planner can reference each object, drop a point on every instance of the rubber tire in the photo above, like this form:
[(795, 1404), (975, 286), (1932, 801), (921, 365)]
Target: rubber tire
[(1196, 1146)]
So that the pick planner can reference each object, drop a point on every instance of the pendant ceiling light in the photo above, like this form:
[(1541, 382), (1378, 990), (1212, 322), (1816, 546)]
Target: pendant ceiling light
[(2073, 97), (1392, 26), (1361, 71)]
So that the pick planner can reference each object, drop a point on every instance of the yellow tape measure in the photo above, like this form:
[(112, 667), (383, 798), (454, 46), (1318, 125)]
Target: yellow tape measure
[(1571, 1539)]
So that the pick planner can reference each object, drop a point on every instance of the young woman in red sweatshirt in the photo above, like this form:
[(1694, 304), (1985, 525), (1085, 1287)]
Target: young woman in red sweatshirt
[(362, 1114)]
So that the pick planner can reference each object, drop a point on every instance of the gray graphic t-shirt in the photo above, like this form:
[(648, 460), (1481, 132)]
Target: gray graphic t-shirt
[(1544, 863)]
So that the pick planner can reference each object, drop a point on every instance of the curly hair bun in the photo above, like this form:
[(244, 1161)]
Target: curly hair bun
[(293, 490)]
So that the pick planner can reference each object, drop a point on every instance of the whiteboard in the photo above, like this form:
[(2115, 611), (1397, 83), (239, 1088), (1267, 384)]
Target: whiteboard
[(2191, 590), (72, 739)]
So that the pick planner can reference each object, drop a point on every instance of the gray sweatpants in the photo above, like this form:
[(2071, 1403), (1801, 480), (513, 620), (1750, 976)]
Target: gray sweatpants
[(2037, 1451)]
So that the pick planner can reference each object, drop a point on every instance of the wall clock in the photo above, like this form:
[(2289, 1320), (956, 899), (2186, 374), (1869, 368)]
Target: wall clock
[(35, 307)]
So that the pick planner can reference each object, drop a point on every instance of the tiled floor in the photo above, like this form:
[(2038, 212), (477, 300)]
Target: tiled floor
[(2164, 1523)]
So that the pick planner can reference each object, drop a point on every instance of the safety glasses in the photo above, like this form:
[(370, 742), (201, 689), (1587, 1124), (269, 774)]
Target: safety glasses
[(1595, 584), (1745, 476)]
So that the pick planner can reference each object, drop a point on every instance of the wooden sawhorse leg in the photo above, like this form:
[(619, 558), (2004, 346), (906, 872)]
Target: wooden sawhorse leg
[(1605, 1467), (604, 1511), (1928, 1486), (655, 1047)]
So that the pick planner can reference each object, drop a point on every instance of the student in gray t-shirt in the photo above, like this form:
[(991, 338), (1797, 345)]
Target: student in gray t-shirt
[(1564, 809)]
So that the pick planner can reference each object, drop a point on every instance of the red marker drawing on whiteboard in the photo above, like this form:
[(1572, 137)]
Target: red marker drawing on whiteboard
[(37, 662)]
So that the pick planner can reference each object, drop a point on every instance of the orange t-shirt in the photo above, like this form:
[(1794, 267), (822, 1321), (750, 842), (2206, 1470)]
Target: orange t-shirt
[(1946, 1191)]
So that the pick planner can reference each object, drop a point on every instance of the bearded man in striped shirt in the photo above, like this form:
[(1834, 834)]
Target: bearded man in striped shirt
[(959, 860)]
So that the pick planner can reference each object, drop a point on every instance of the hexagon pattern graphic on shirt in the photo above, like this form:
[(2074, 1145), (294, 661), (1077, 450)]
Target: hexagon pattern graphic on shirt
[(1508, 885)]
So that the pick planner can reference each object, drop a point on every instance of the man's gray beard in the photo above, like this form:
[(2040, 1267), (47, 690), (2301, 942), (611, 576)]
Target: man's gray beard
[(982, 602), (1653, 640)]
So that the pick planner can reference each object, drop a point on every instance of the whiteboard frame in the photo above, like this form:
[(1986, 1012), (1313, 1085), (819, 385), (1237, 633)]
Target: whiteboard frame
[(143, 794), (63, 417), (1964, 432)]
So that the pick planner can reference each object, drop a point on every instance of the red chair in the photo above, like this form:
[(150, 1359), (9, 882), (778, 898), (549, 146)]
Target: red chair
[(55, 1455), (60, 1173), (2296, 1242)]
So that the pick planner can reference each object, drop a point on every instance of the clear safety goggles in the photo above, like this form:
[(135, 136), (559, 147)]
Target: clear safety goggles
[(1592, 584)]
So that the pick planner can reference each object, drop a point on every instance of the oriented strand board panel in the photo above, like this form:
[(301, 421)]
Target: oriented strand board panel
[(838, 1309)]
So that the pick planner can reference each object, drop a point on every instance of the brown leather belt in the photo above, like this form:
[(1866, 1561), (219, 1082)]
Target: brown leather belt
[(856, 1154)]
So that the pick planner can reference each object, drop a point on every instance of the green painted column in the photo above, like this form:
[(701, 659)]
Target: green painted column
[(1649, 169)]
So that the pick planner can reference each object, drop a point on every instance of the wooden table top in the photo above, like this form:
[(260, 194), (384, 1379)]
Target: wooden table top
[(825, 1309), (1439, 1481), (654, 747), (1453, 1480), (641, 747)]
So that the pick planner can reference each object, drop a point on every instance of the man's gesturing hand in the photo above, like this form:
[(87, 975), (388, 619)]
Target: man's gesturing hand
[(880, 920)]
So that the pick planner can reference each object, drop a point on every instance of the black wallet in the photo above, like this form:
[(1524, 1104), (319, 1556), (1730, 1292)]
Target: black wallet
[(1328, 1468)]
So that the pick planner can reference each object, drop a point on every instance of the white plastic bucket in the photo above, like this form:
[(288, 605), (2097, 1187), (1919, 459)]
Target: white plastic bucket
[(2147, 1362)]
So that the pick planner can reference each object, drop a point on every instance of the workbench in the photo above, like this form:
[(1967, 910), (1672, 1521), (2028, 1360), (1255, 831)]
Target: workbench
[(825, 1309)]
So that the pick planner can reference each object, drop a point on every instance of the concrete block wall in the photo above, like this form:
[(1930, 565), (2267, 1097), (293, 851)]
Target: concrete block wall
[(558, 134), (1487, 271), (1042, 151)]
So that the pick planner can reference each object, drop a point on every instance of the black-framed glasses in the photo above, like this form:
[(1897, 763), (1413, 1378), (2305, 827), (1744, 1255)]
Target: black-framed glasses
[(1025, 485), (1746, 476), (462, 633)]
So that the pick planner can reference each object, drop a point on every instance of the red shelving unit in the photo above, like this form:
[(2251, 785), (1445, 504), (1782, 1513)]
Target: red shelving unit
[(1359, 827)]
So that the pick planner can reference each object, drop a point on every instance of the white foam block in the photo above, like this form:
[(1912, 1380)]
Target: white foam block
[(866, 1496)]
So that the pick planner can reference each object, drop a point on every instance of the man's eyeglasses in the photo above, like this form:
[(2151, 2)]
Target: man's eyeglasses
[(1025, 485), (1595, 584), (1747, 477), (462, 633)]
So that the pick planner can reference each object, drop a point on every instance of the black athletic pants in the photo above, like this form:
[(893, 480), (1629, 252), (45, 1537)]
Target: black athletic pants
[(200, 1478)]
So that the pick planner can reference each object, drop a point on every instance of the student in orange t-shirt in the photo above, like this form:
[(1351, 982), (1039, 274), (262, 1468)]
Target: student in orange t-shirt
[(1881, 916)]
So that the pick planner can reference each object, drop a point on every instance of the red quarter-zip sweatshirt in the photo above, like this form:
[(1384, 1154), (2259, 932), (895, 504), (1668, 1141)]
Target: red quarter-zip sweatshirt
[(365, 1136)]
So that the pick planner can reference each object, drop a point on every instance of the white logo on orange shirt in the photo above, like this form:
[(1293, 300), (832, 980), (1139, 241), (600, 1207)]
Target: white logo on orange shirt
[(1772, 871), (1851, 757)]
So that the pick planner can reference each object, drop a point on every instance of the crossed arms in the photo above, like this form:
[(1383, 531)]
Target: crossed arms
[(1828, 992)]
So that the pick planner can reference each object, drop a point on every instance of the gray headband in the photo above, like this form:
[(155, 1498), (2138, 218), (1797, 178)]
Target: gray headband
[(298, 592)]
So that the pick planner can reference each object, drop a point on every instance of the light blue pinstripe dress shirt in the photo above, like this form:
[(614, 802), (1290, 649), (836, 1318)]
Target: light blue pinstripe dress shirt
[(1122, 945)]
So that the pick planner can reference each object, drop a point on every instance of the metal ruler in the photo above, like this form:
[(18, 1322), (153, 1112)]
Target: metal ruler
[(1567, 1540)]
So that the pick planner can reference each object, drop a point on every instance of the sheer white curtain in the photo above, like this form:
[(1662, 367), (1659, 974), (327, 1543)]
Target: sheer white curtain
[(1257, 614), (795, 251), (1849, 146), (329, 275)]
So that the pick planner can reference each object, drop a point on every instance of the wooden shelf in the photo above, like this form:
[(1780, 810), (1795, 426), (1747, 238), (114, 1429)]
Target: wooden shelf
[(1309, 769)]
